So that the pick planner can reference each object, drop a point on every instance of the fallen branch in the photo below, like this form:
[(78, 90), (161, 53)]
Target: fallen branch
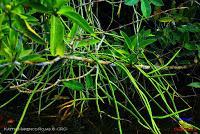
[(88, 60)]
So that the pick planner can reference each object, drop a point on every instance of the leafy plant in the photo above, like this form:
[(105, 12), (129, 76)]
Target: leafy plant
[(145, 5), (57, 47)]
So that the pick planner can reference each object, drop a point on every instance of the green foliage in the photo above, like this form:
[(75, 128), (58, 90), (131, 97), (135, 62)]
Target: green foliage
[(157, 2), (24, 23), (127, 41), (87, 42), (166, 19), (139, 41), (31, 58), (145, 5), (89, 83), (76, 18), (1, 20), (57, 46), (194, 84), (131, 2), (28, 31), (48, 46), (145, 8), (72, 33), (74, 85)]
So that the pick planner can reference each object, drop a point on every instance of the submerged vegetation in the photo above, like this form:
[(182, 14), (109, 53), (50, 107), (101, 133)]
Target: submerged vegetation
[(121, 55)]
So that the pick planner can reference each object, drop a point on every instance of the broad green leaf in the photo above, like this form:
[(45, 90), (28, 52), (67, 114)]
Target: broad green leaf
[(87, 42), (57, 46), (25, 53), (189, 46), (28, 31), (33, 58), (1, 33), (132, 58), (145, 37), (59, 3), (131, 2), (189, 28), (66, 9), (19, 46), (89, 82), (74, 85), (76, 18), (126, 39), (6, 51), (166, 19), (1, 20), (194, 84), (134, 42), (120, 53), (198, 47), (145, 8), (38, 6), (55, 3), (146, 42), (72, 33), (19, 9), (146, 33), (3, 61), (13, 38), (48, 3), (185, 37), (157, 2)]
